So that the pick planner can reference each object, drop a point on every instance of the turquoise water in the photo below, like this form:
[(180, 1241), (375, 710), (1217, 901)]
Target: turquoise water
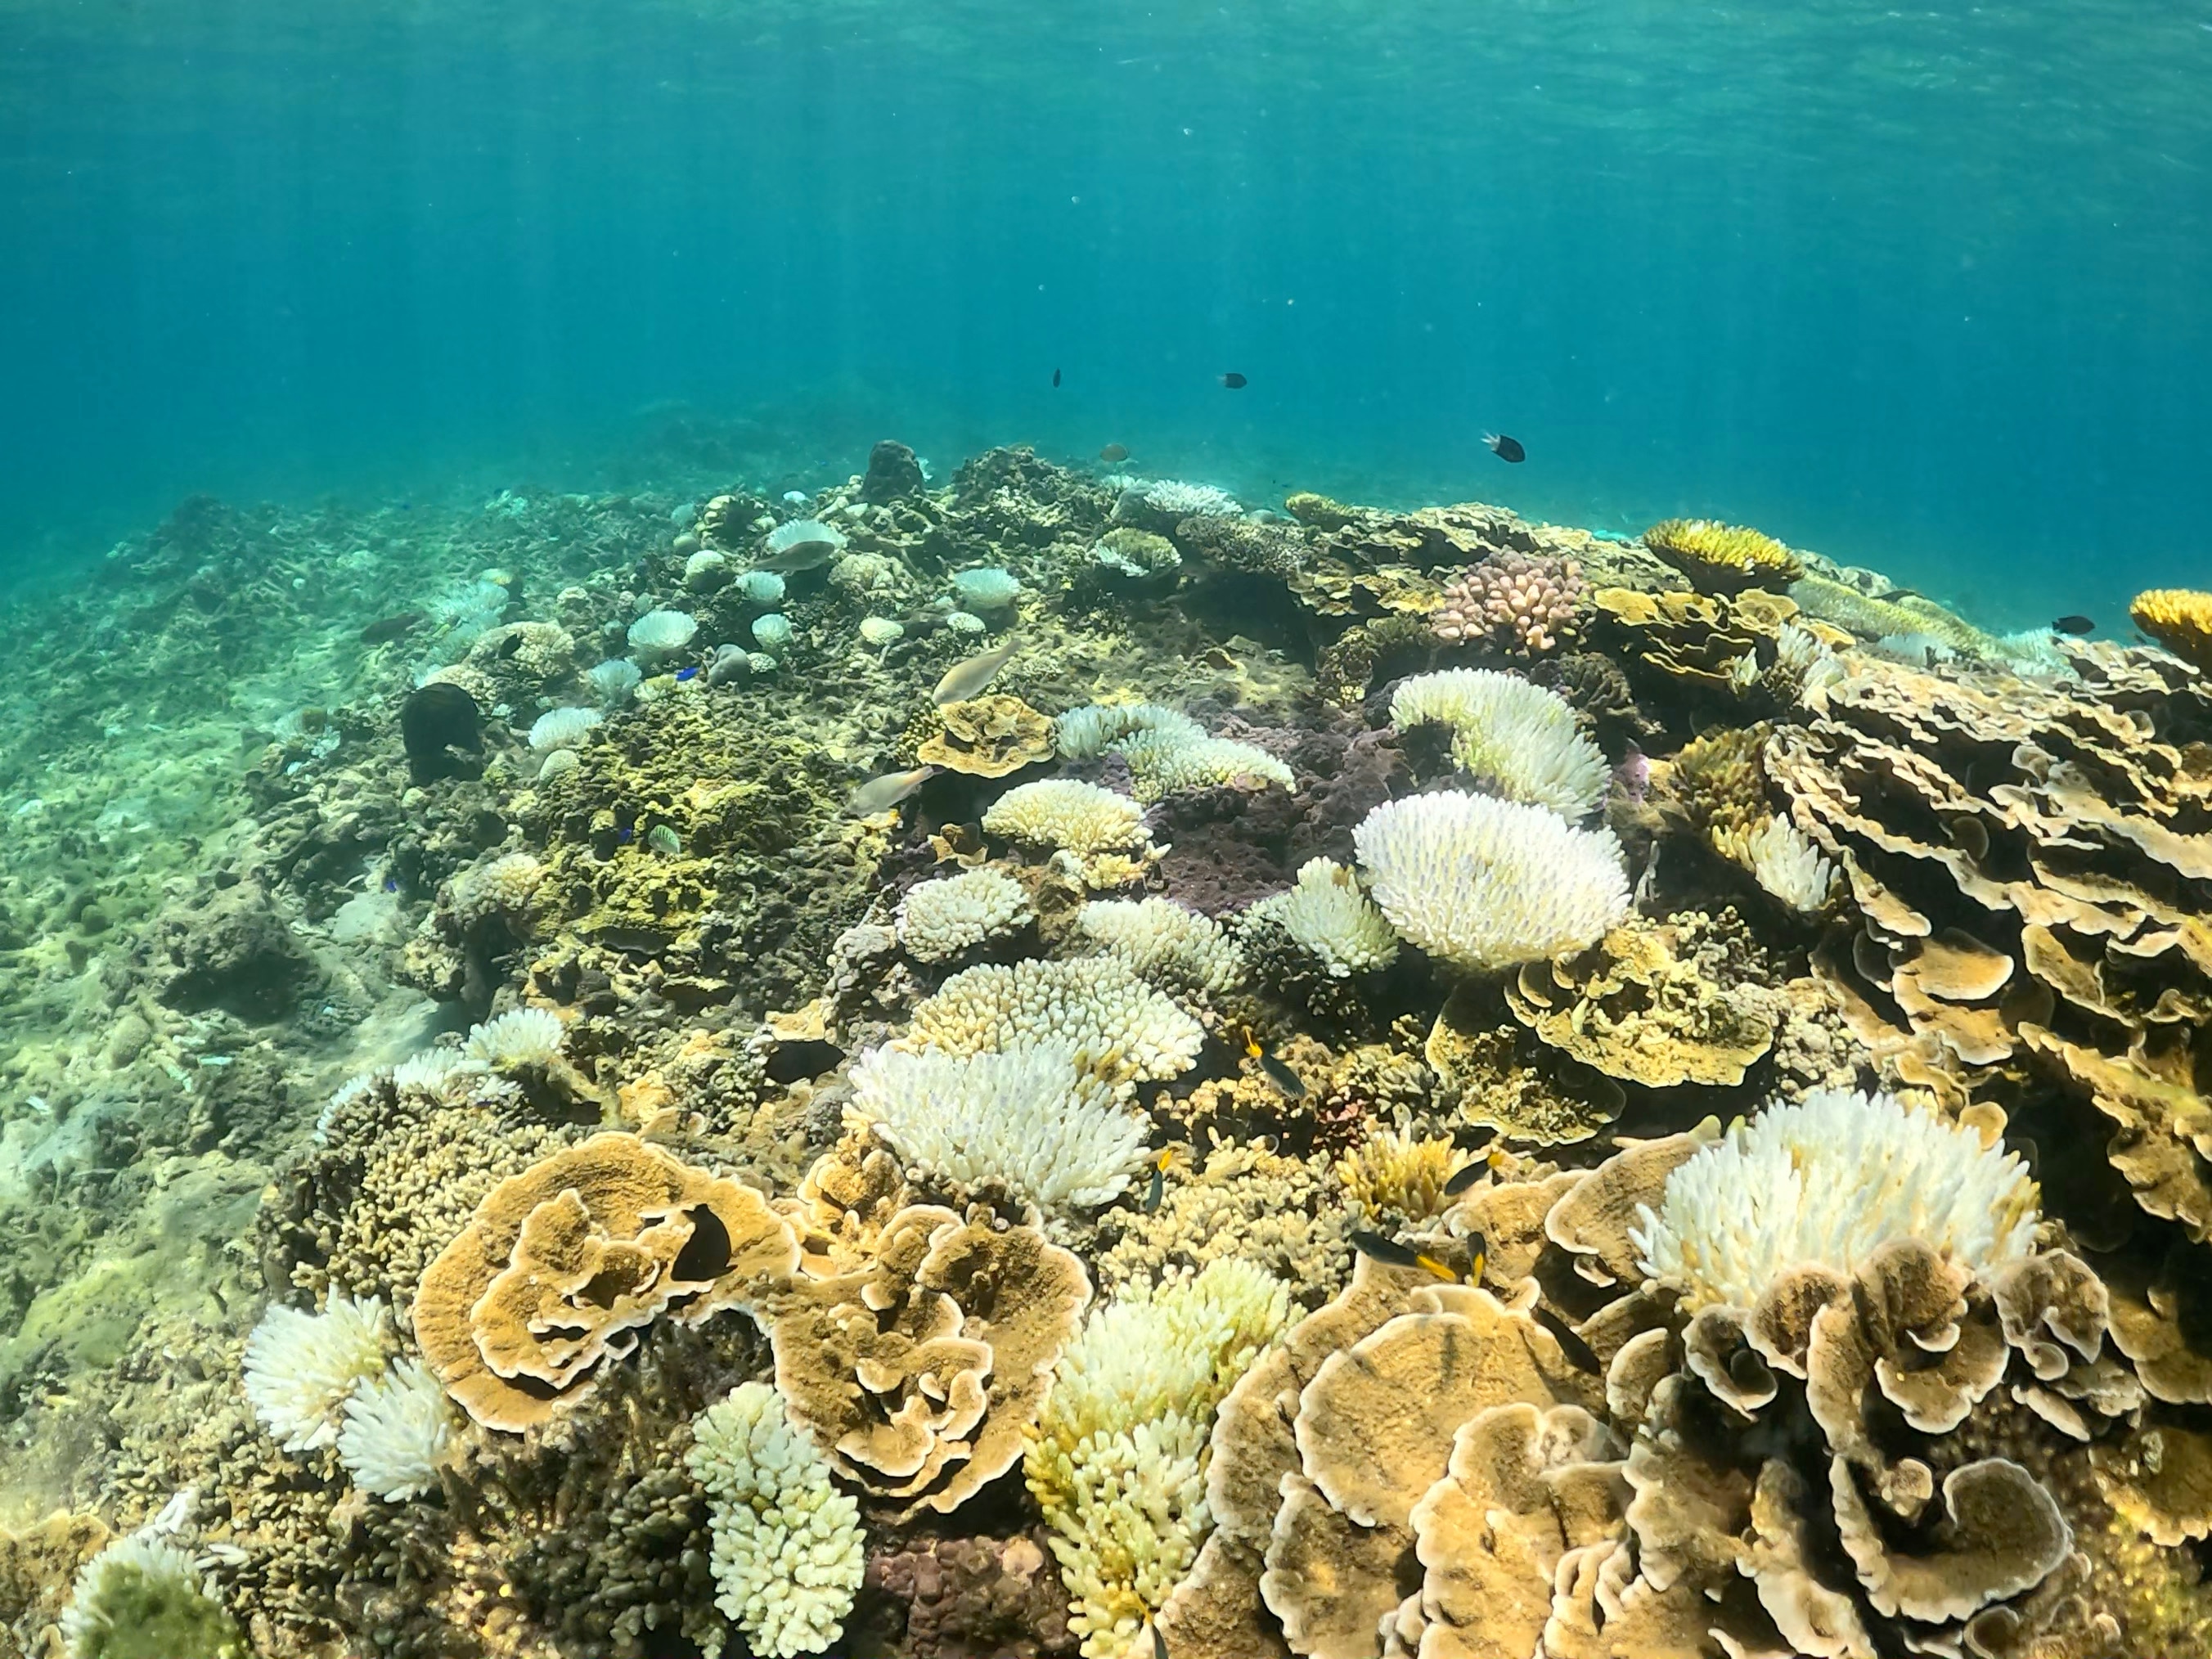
[(1919, 287)]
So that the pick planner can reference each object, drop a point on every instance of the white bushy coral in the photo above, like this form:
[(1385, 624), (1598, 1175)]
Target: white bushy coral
[(1485, 884), (1162, 764), (1516, 737), (1038, 1121), (1175, 948), (562, 728), (519, 1037), (1094, 1006), (501, 886), (1828, 1180), (1327, 916), (661, 633), (788, 1550), (1117, 1458), (300, 1367), (1784, 861), (1067, 813), (398, 1426), (939, 919), (1086, 733), (430, 1071)]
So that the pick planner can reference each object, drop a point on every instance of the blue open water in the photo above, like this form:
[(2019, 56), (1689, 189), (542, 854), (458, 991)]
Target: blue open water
[(1922, 288)]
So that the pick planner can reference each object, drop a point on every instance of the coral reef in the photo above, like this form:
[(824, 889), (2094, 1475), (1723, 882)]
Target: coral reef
[(534, 1129)]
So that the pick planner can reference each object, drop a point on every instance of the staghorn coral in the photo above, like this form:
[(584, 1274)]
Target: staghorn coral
[(1509, 735), (1524, 605), (788, 1548), (1483, 884), (1036, 1121), (1095, 1006), (564, 1266), (2178, 618), (1721, 558), (1117, 1458), (940, 920)]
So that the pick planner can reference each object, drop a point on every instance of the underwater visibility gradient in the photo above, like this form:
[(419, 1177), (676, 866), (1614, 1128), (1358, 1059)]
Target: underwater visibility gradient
[(1193, 831)]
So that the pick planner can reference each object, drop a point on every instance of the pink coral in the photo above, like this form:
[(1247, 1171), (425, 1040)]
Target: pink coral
[(1524, 605)]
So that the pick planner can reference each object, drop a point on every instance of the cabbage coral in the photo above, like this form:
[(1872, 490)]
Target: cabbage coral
[(2178, 618), (1828, 1180), (1783, 860), (662, 633), (1483, 884), (1723, 558), (788, 1551), (1327, 917), (300, 1367), (1517, 738), (1094, 1006), (1117, 1458), (1038, 1121)]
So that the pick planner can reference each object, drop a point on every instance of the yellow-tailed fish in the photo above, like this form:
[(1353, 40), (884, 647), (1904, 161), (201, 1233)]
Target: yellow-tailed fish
[(1464, 1176), (1391, 1253), (881, 794), (1158, 1187), (1277, 1072), (967, 679)]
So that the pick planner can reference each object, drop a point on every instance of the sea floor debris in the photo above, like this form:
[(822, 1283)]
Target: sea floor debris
[(1050, 1066)]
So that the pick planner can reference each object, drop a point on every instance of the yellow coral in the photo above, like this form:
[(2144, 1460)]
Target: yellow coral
[(2178, 618), (1722, 558), (1400, 1173)]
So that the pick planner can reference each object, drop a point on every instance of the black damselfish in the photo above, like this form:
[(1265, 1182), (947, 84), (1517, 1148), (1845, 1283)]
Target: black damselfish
[(1506, 448), (435, 720), (1233, 380), (1055, 377), (2074, 625)]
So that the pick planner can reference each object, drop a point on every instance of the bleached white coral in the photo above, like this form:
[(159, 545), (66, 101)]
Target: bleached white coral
[(1514, 736), (788, 1550), (1162, 764), (143, 1595), (300, 1367), (939, 919), (1190, 500), (661, 633), (614, 678), (1038, 1121), (502, 886), (1067, 813), (429, 1071), (398, 1426), (1828, 1180), (881, 630), (1094, 1006), (1117, 1458), (986, 587), (1485, 884), (560, 728), (1327, 916), (803, 533), (519, 1037), (1086, 733), (1784, 859), (1175, 948)]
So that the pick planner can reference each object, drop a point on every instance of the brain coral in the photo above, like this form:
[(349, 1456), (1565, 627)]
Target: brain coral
[(1036, 1121), (1483, 884), (1095, 1006), (1519, 738), (1723, 558), (1827, 1181)]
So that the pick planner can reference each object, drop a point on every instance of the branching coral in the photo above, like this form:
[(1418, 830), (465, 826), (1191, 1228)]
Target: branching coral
[(1483, 884), (1176, 949), (1513, 736), (1066, 813), (1086, 733), (300, 1367), (1826, 1180), (788, 1551), (1117, 1458), (1783, 860), (1327, 916), (1721, 558), (1526, 605), (1093, 1005), (1162, 765), (940, 920), (1036, 1121)]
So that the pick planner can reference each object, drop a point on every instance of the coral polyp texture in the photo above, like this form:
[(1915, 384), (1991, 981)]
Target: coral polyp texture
[(1369, 1084), (1483, 884), (1723, 558)]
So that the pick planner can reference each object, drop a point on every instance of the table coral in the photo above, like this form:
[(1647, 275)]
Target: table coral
[(1721, 558)]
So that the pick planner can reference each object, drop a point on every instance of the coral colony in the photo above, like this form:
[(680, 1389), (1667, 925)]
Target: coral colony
[(1529, 1096)]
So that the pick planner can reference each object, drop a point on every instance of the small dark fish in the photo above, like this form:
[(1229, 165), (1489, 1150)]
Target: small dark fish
[(2074, 625), (1055, 377), (1391, 1253), (1465, 1175), (881, 794), (391, 628), (967, 679), (1234, 381), (1579, 1353), (1278, 1074), (435, 720), (1159, 1644), (1113, 452), (1478, 1257), (1157, 1189), (1506, 448)]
